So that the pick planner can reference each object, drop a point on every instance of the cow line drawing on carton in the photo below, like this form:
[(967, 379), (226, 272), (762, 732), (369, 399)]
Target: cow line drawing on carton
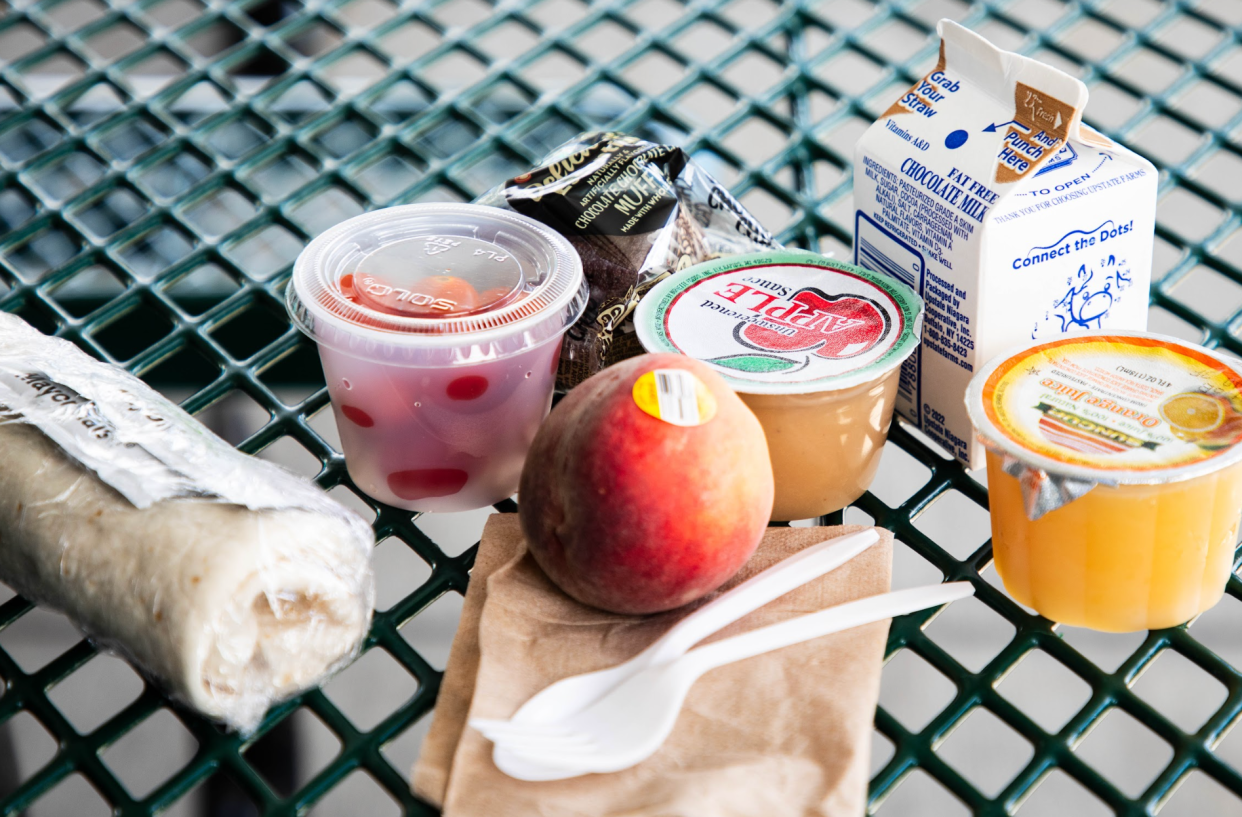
[(982, 188)]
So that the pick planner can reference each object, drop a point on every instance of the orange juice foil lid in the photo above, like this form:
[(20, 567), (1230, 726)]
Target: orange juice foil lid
[(1116, 408)]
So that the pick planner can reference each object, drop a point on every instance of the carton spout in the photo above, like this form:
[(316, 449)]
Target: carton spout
[(1042, 106)]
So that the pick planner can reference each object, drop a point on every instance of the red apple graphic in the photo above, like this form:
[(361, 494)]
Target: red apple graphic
[(834, 327)]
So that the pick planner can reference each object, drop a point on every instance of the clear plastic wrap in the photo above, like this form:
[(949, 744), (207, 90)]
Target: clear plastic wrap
[(635, 211), (227, 579)]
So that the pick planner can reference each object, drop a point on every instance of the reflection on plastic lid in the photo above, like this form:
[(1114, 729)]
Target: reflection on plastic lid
[(435, 276)]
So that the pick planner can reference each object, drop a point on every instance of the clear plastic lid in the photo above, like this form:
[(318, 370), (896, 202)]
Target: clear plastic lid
[(1114, 408), (436, 276), (783, 322)]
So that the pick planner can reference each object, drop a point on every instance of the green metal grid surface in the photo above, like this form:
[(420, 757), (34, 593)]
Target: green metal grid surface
[(162, 161)]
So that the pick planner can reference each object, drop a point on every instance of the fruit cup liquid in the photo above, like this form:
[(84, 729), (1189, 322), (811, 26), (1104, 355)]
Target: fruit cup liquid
[(439, 328), (1115, 477)]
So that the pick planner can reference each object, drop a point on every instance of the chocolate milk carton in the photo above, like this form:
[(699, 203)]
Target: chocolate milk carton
[(982, 189)]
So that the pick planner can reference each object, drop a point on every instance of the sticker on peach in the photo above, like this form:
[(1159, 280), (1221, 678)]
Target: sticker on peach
[(1116, 403), (675, 396)]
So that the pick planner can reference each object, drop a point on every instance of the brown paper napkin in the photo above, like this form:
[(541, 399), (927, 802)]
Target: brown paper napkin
[(787, 733)]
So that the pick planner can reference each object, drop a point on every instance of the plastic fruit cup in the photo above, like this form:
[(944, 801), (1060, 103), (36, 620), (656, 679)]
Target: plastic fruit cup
[(1114, 475), (439, 328), (813, 346)]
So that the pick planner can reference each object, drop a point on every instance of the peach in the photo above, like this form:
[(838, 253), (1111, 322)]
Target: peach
[(633, 514)]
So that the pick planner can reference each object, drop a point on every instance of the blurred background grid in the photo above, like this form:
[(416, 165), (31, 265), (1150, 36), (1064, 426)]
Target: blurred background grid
[(162, 162)]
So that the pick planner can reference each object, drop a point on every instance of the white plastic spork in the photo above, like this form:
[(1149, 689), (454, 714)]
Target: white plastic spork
[(630, 722), (572, 695)]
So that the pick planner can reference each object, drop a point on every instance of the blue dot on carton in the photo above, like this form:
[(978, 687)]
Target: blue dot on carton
[(956, 139)]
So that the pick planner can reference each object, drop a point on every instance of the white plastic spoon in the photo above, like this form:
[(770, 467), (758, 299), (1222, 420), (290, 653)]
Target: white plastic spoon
[(630, 722), (571, 695)]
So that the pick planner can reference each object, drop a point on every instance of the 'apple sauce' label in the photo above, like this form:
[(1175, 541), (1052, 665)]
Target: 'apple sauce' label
[(1121, 402), (675, 396), (784, 322)]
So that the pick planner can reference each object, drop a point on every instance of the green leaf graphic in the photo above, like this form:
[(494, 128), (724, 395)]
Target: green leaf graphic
[(756, 364)]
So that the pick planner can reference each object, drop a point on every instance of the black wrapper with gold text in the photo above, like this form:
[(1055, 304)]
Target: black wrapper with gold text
[(635, 211)]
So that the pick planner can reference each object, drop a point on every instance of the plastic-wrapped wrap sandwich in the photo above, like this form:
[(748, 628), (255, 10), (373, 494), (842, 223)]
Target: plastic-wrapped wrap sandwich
[(229, 580), (635, 211)]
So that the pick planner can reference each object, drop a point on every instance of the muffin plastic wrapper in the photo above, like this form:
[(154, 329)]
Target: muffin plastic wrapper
[(229, 580), (635, 211)]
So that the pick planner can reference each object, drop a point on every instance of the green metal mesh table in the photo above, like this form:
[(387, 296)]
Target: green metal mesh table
[(163, 161)]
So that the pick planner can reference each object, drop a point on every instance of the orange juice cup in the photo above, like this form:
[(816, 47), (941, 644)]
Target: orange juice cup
[(1115, 476), (814, 347)]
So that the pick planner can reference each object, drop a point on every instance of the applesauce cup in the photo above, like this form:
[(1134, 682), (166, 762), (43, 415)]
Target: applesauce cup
[(439, 328), (1114, 476), (813, 346)]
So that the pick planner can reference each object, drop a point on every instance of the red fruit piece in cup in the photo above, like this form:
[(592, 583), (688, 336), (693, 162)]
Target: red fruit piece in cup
[(424, 483), (467, 387), (357, 416), (347, 287), (450, 289), (432, 297)]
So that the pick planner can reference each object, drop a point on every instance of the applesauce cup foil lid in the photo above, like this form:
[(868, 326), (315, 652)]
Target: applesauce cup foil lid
[(467, 280), (783, 322), (1122, 408)]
